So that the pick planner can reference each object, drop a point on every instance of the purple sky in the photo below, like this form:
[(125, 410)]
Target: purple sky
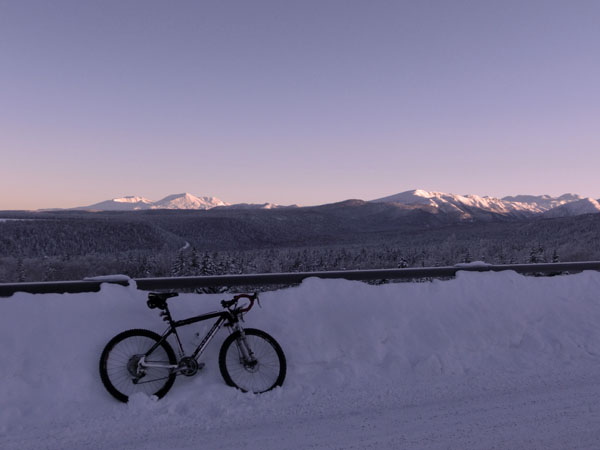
[(296, 102)]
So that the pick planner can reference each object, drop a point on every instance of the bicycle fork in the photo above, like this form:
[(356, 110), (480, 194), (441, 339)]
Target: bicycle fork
[(247, 358)]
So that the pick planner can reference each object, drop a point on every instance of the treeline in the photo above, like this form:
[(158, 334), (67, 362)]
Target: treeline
[(81, 236), (63, 248), (192, 262)]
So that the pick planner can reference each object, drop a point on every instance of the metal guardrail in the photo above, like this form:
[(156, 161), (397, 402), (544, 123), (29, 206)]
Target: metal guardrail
[(147, 284)]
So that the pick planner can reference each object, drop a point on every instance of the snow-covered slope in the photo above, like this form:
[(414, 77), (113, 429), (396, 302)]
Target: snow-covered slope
[(543, 203), (472, 206), (462, 206), (187, 201), (176, 201), (575, 208), (129, 203), (351, 348)]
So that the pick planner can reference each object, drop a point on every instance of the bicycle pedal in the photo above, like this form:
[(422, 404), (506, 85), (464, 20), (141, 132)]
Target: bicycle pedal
[(201, 365)]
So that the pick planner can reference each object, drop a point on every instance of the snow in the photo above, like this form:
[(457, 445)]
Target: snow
[(109, 278), (567, 204), (187, 201), (132, 199), (583, 206), (473, 264), (483, 360), (176, 201)]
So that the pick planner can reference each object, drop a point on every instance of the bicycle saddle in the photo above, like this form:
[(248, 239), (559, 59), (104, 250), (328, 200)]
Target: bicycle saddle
[(158, 299)]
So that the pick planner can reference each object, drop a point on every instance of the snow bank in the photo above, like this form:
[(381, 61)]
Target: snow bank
[(337, 335)]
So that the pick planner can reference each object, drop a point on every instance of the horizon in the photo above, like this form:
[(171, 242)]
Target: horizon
[(227, 201), (296, 103)]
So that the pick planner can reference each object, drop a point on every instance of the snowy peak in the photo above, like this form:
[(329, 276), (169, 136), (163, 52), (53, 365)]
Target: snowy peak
[(464, 205), (473, 206), (129, 203), (176, 201), (132, 199), (187, 201), (542, 203), (575, 208)]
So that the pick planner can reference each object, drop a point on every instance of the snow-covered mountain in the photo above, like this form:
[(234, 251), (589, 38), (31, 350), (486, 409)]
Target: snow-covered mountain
[(129, 203), (474, 206), (463, 207), (176, 201), (574, 208), (542, 203), (187, 201)]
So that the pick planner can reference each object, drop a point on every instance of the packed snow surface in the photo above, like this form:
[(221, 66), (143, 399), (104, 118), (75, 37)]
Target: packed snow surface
[(486, 360)]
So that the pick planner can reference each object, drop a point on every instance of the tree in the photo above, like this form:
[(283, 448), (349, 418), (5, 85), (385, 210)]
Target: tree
[(178, 267), (467, 259), (49, 270), (194, 262), (536, 254), (20, 269)]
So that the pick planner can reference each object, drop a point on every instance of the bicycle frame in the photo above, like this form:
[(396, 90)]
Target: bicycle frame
[(225, 317)]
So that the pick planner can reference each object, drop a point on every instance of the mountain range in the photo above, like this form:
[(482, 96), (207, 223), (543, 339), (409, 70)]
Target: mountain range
[(175, 201), (460, 207), (473, 206)]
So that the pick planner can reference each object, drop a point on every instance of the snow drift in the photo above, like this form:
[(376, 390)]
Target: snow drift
[(337, 336)]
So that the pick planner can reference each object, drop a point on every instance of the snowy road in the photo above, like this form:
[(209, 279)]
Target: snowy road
[(560, 412)]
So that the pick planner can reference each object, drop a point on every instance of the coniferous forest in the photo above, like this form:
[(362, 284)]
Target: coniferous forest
[(68, 245)]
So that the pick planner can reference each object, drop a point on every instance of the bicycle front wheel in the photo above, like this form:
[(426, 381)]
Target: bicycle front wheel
[(119, 369), (255, 363)]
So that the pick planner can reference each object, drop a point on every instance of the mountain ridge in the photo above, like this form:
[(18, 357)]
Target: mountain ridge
[(471, 206), (173, 201), (459, 207)]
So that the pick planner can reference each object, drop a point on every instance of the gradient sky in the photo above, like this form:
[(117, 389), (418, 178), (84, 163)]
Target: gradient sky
[(302, 102)]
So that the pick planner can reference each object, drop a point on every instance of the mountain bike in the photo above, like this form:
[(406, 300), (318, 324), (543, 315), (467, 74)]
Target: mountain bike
[(143, 361)]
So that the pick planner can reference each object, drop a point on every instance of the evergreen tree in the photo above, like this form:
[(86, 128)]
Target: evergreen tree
[(467, 259), (194, 266), (20, 269), (536, 254), (178, 267), (207, 267), (49, 270)]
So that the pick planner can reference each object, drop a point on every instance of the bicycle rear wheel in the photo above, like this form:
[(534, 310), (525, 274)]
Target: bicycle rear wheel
[(119, 369), (264, 370)]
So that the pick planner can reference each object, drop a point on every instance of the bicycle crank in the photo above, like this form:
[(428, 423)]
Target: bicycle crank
[(188, 366)]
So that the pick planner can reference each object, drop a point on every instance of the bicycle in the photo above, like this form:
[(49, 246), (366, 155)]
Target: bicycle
[(141, 360)]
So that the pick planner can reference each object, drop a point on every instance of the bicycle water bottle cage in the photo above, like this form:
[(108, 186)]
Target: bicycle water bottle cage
[(159, 299)]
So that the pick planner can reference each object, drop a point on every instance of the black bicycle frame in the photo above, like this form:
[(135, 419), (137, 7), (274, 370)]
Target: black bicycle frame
[(223, 316)]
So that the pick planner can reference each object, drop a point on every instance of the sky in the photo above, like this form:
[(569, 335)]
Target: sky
[(292, 102)]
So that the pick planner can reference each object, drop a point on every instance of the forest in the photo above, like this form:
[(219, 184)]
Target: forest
[(69, 246)]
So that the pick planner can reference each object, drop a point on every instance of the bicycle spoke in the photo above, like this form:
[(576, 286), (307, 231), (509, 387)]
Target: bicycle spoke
[(122, 371), (258, 375)]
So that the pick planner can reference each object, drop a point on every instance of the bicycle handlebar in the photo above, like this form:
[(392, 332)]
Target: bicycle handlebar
[(236, 298)]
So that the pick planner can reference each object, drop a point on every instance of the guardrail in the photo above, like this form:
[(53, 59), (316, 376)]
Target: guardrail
[(147, 284)]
